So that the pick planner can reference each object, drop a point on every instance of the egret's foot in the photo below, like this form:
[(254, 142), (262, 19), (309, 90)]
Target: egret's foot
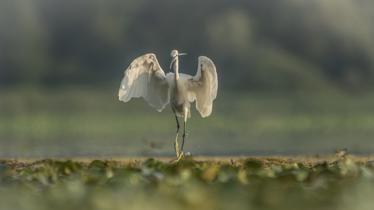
[(181, 156)]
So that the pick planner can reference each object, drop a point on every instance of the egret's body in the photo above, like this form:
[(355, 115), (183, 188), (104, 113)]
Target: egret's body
[(145, 78)]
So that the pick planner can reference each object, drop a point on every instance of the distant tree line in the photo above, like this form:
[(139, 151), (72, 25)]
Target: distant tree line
[(257, 45)]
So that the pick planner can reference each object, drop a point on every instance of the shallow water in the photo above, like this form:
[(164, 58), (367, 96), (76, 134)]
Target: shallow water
[(85, 122)]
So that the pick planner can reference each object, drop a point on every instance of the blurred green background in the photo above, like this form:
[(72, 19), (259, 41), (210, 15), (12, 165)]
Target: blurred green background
[(296, 76)]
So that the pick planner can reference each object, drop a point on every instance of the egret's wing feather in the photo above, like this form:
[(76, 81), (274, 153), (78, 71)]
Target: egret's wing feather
[(145, 78), (203, 86)]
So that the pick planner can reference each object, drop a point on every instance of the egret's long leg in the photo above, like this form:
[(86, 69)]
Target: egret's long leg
[(176, 145), (176, 119), (184, 129), (184, 134)]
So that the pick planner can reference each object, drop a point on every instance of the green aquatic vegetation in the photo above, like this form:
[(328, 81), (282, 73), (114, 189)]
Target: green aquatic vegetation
[(260, 183)]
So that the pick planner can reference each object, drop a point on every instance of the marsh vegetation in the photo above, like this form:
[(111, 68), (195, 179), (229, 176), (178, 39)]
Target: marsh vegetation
[(248, 183)]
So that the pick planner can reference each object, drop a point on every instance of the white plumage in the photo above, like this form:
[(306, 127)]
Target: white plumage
[(145, 78)]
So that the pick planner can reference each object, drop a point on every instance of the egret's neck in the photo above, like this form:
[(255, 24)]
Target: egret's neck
[(176, 68)]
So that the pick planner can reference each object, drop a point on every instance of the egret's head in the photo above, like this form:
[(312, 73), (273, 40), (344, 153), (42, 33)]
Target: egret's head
[(174, 56), (174, 53)]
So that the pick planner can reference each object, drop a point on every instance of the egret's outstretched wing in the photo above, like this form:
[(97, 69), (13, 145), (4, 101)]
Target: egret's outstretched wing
[(145, 78), (203, 86)]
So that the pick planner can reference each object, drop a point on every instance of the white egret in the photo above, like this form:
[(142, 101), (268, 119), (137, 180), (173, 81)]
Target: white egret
[(145, 78)]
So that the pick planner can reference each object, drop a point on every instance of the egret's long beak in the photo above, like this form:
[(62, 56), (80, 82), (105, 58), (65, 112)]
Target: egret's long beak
[(175, 58)]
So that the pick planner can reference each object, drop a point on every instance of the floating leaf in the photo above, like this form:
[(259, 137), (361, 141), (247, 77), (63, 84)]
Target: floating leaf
[(210, 173)]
